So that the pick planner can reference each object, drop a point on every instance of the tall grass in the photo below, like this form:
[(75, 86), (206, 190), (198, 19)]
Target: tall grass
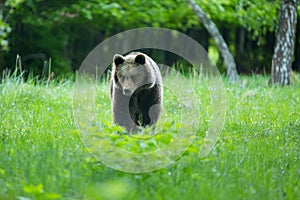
[(256, 157)]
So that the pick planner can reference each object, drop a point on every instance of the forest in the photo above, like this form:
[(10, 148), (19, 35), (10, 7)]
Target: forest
[(65, 31)]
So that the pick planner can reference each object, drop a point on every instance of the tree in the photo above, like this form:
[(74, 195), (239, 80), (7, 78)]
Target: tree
[(220, 43), (284, 47), (27, 28), (7, 8)]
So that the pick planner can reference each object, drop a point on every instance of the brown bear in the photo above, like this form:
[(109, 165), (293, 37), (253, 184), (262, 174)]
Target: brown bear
[(135, 90)]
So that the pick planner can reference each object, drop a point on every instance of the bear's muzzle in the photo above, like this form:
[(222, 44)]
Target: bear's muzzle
[(127, 92)]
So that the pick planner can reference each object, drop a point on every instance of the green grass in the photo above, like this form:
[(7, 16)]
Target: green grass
[(256, 157)]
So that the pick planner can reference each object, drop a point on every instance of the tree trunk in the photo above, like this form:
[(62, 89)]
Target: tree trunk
[(296, 64), (221, 44), (284, 47)]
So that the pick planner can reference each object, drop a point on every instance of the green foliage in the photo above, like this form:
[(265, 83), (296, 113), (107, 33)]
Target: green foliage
[(259, 17), (5, 29), (7, 8), (256, 16), (256, 157), (67, 30)]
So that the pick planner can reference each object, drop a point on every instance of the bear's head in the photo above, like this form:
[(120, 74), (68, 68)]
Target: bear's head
[(132, 72)]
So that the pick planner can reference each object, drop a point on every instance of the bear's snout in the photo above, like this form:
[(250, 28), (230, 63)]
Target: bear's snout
[(127, 91)]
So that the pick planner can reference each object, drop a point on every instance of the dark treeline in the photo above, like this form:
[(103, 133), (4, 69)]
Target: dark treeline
[(66, 31)]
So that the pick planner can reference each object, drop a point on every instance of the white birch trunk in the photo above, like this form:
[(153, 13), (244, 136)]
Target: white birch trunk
[(284, 46)]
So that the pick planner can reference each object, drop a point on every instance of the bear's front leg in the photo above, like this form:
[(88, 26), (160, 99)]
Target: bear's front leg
[(121, 114)]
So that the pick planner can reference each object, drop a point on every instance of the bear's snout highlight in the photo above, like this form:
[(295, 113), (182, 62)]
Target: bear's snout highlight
[(127, 92)]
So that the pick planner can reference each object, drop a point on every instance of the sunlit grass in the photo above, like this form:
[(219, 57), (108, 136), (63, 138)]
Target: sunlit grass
[(256, 157)]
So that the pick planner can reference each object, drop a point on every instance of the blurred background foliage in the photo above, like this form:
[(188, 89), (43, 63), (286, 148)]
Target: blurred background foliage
[(66, 30)]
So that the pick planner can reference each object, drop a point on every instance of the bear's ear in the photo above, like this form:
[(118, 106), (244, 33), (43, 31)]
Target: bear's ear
[(118, 59), (140, 59)]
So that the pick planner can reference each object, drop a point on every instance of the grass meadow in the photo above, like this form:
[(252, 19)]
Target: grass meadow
[(256, 157)]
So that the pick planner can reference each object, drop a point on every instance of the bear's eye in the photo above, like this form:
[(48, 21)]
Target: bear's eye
[(121, 78)]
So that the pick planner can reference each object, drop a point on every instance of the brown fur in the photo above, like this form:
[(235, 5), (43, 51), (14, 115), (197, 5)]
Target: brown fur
[(135, 90)]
